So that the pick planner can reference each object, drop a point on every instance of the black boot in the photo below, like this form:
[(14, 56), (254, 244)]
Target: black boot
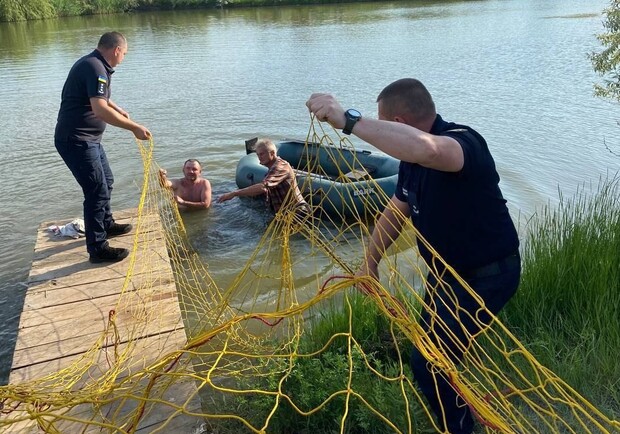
[(116, 229), (108, 254)]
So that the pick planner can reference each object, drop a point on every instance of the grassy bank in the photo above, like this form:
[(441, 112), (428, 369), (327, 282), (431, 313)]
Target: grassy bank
[(323, 367), (20, 10), (566, 310), (565, 313)]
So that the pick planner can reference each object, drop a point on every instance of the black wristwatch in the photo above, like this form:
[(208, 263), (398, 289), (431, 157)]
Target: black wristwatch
[(351, 116)]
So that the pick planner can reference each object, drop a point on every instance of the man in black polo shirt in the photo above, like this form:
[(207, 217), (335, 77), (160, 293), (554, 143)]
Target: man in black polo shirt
[(448, 186), (85, 110)]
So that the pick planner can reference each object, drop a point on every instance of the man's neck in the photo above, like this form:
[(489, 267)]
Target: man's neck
[(106, 56), (272, 162)]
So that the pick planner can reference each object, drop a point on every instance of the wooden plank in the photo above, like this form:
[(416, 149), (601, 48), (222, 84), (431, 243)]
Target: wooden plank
[(73, 265), (159, 417), (47, 240), (98, 307), (42, 321), (53, 293), (84, 336), (67, 256), (142, 351), (66, 312)]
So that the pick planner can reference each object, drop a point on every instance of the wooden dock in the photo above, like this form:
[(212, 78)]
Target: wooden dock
[(68, 306)]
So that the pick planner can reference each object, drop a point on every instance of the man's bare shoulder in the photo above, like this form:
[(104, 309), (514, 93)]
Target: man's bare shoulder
[(176, 183)]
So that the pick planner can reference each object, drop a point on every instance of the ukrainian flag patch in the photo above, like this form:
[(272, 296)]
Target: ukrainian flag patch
[(102, 83)]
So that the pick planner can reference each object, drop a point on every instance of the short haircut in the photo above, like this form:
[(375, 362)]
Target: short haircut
[(265, 144), (192, 160), (407, 95), (111, 40)]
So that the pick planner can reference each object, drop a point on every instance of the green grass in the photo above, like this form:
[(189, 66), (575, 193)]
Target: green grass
[(20, 10), (315, 379), (567, 309)]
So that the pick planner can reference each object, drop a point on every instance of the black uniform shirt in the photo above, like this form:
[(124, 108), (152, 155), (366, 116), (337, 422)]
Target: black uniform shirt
[(463, 215), (89, 78)]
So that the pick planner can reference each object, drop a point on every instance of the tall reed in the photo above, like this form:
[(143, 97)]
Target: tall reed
[(567, 309)]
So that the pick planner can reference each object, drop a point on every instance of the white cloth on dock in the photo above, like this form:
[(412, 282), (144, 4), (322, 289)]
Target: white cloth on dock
[(74, 229)]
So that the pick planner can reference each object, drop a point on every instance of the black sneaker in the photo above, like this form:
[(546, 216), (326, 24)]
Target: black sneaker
[(116, 229), (108, 254)]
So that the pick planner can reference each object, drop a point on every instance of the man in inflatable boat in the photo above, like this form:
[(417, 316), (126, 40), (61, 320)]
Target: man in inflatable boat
[(279, 184)]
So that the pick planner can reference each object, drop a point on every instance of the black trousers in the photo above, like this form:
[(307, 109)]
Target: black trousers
[(89, 165), (451, 330)]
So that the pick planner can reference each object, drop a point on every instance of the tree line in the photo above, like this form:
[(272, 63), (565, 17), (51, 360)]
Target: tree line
[(21, 10)]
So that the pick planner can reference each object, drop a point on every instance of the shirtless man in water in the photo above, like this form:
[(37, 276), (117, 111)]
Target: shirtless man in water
[(192, 191)]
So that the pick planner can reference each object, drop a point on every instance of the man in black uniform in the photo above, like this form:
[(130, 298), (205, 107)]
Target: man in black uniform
[(85, 110), (449, 187)]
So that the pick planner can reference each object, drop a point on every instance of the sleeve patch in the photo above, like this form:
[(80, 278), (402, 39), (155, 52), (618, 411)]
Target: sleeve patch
[(102, 84)]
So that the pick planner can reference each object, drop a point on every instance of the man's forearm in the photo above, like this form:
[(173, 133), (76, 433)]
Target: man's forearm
[(193, 205), (113, 117), (110, 116), (252, 190), (117, 108)]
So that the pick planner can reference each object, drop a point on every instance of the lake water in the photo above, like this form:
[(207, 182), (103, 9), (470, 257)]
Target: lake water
[(205, 81)]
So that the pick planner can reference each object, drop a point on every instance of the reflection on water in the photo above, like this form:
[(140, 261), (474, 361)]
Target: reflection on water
[(31, 37)]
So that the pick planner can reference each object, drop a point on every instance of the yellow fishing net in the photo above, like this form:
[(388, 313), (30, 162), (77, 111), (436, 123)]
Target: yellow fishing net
[(290, 345)]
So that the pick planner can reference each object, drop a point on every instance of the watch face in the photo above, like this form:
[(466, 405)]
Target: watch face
[(354, 113)]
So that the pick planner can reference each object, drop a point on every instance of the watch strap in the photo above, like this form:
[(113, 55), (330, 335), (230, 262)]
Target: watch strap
[(350, 121)]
